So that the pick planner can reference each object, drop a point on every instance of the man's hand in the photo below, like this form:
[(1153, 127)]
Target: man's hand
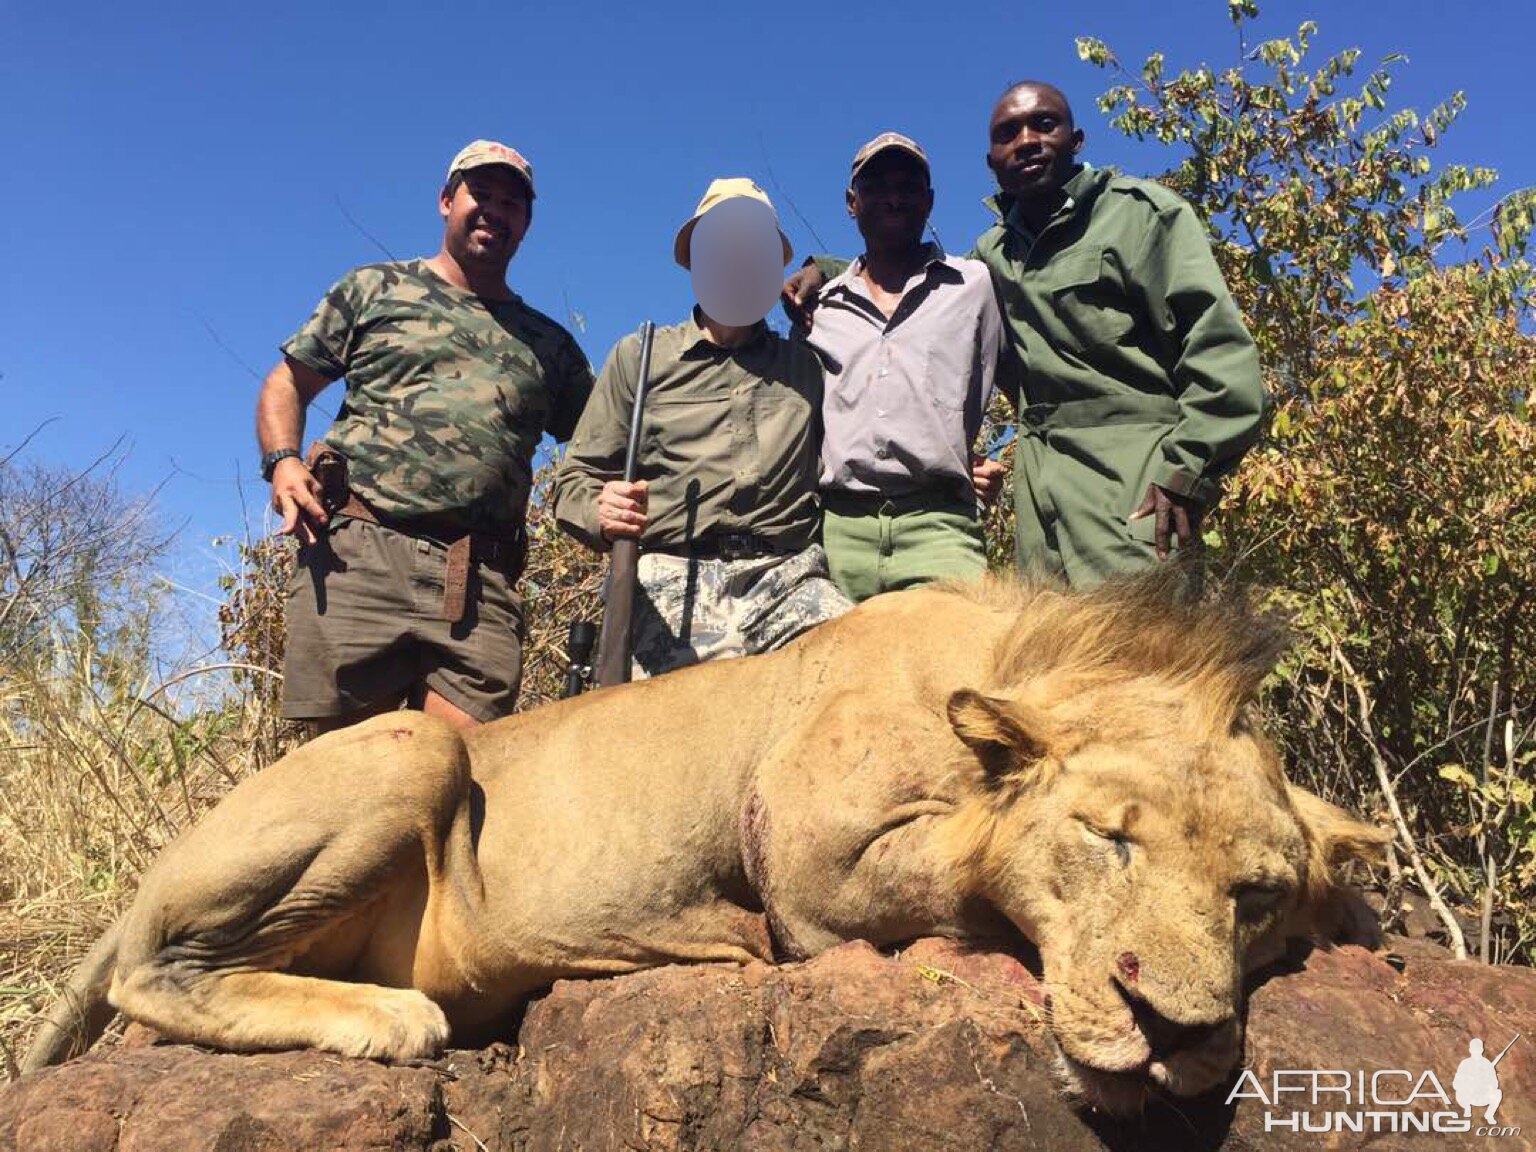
[(621, 509), (800, 293), (296, 498), (1177, 514), (285, 393), (987, 478)]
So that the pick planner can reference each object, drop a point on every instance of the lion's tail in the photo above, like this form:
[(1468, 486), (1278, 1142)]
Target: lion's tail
[(80, 1014)]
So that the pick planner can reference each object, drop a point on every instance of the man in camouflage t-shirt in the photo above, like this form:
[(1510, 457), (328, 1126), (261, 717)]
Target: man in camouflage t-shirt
[(406, 585)]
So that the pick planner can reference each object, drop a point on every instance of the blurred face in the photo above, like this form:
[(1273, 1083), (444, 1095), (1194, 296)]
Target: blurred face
[(487, 216), (736, 261), (891, 200), (1034, 145)]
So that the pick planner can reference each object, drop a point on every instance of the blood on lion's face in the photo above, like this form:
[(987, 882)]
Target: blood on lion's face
[(1154, 860)]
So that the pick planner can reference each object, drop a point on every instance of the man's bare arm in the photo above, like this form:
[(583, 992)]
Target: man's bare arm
[(285, 394), (800, 292)]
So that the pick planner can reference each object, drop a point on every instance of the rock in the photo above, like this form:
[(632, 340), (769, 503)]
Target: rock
[(140, 1099), (939, 1048)]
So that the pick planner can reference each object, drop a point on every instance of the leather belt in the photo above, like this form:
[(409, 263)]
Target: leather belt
[(844, 502), (724, 546), (506, 554)]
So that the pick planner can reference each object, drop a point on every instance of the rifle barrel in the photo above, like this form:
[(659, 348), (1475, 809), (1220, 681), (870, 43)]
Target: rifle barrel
[(632, 449), (1506, 1048), (614, 648)]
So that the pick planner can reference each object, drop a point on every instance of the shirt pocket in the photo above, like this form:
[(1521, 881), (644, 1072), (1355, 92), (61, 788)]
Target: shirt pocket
[(947, 393), (952, 364), (680, 430), (774, 401), (847, 391), (1090, 301), (785, 428)]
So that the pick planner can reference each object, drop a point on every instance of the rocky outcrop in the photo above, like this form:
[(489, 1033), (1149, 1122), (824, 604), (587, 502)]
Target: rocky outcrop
[(938, 1049)]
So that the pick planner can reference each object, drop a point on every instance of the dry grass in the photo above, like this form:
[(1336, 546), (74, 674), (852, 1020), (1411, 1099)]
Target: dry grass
[(101, 766), (96, 776)]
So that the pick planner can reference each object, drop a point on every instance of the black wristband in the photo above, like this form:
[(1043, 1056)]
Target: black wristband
[(270, 460)]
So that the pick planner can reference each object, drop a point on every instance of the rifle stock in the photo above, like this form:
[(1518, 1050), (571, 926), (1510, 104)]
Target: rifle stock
[(614, 648), (615, 644)]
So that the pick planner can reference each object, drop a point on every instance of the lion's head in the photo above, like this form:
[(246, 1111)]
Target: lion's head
[(1132, 821)]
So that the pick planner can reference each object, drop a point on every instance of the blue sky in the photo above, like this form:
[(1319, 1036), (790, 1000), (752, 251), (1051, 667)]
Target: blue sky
[(177, 178)]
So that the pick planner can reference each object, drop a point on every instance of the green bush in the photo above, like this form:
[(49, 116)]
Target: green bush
[(1392, 509)]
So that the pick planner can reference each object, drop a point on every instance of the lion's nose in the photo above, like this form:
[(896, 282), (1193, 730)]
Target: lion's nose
[(1167, 1037)]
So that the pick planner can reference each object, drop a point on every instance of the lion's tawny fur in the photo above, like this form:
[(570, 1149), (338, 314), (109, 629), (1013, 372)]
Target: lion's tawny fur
[(1007, 758)]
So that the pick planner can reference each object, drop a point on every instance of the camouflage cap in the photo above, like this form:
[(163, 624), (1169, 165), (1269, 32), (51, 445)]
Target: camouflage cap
[(481, 153), (884, 143), (718, 192)]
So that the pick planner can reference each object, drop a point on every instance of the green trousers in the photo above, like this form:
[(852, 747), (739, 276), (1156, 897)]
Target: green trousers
[(879, 545), (1080, 469)]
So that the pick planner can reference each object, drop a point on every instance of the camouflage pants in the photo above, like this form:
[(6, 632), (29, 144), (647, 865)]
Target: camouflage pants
[(690, 610)]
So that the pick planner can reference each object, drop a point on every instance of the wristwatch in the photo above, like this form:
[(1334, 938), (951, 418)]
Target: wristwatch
[(269, 461)]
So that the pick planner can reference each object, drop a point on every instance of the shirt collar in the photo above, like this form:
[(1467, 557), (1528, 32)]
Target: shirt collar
[(1006, 208), (697, 341), (933, 255)]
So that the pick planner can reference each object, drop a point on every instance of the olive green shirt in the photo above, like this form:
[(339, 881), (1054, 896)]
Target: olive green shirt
[(448, 393), (1118, 300), (730, 440)]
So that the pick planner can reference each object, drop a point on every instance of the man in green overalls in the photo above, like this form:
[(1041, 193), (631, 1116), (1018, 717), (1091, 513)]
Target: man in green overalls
[(1141, 387)]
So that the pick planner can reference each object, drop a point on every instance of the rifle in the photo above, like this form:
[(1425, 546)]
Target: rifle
[(617, 640), (1507, 1047), (578, 656)]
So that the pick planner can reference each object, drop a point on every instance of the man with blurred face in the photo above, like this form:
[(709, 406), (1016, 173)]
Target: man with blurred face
[(725, 505), (410, 511), (910, 340), (1141, 383)]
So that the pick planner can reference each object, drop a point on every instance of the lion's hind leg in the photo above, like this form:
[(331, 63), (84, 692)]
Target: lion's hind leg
[(241, 930)]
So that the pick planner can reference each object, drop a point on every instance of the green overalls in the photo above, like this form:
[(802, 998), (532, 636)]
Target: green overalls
[(1137, 370)]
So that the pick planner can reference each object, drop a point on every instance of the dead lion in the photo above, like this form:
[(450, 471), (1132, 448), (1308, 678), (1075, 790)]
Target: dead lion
[(1081, 768)]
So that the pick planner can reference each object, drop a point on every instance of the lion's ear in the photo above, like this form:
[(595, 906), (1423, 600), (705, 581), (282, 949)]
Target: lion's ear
[(1328, 910), (1336, 836), (1005, 735)]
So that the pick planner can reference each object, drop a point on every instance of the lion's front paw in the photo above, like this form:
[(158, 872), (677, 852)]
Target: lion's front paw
[(401, 1024), (417, 1028)]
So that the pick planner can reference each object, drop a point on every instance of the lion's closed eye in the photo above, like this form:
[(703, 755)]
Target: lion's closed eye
[(1101, 837)]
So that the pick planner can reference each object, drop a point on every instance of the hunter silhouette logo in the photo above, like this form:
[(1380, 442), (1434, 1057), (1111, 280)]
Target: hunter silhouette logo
[(1477, 1080)]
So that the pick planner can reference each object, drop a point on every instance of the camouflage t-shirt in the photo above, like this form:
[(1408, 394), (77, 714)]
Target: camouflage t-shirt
[(447, 393)]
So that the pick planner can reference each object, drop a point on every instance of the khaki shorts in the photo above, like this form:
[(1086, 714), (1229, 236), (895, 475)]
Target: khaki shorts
[(365, 626)]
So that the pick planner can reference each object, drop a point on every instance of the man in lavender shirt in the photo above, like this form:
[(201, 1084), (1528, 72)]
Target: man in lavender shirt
[(913, 344)]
